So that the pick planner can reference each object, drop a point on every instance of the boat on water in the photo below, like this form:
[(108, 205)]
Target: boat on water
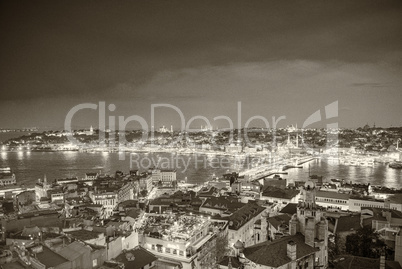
[(396, 165), (286, 167), (7, 177), (352, 162)]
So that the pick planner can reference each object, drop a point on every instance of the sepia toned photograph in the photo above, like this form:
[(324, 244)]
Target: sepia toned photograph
[(226, 134)]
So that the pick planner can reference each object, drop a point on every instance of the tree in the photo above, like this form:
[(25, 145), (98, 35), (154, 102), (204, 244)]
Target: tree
[(144, 193), (365, 243)]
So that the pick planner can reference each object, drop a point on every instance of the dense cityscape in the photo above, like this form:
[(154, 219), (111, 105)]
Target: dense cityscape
[(139, 218)]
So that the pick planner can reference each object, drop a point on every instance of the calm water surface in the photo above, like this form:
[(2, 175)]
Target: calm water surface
[(29, 166)]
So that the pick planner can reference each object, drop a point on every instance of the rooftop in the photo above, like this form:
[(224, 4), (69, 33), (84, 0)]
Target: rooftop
[(73, 250), (136, 258), (50, 258), (243, 215), (289, 209), (278, 251), (221, 202), (84, 234), (278, 220), (275, 192), (334, 195), (347, 223), (172, 227)]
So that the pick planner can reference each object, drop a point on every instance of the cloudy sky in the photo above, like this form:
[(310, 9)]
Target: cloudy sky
[(278, 59)]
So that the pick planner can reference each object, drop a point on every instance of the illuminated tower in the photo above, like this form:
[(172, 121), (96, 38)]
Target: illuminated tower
[(310, 221)]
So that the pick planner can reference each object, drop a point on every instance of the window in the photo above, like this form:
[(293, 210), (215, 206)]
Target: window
[(175, 251), (167, 250), (94, 263), (181, 253)]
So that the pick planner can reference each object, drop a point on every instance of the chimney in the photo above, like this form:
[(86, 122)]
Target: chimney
[(293, 225), (291, 250)]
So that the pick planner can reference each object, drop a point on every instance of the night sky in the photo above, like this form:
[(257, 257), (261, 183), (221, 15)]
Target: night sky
[(278, 59)]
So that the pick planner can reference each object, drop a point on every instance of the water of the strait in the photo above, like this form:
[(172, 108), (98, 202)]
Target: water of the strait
[(30, 166)]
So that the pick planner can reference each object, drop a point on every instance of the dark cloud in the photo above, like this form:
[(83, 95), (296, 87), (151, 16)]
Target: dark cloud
[(371, 84)]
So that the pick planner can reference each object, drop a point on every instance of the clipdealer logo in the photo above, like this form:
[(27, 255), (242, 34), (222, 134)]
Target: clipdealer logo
[(118, 125)]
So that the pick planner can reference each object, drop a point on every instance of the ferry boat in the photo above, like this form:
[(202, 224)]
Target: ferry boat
[(7, 177), (352, 162)]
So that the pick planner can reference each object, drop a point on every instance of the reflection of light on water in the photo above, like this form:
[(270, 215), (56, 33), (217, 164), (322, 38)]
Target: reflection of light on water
[(4, 155), (352, 173), (70, 155), (391, 176)]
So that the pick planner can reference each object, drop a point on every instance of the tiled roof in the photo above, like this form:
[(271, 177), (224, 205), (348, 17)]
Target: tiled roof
[(278, 220), (243, 215), (136, 258), (222, 203), (278, 251), (83, 234), (50, 258), (347, 223), (74, 250), (290, 209), (279, 193)]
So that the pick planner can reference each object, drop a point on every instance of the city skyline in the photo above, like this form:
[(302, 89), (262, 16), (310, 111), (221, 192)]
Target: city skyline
[(277, 59)]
